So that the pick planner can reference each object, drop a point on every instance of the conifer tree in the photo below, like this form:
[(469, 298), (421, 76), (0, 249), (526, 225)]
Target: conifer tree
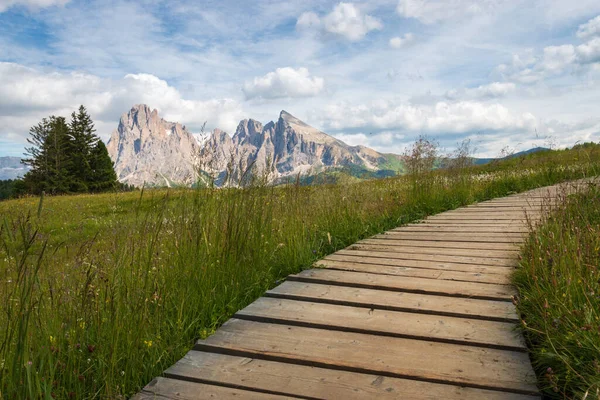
[(50, 159), (103, 172), (83, 140)]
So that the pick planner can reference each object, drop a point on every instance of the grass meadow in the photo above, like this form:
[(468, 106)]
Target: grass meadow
[(100, 293), (559, 285)]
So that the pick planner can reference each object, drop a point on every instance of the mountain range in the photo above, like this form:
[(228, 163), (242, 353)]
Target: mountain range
[(11, 168), (147, 149)]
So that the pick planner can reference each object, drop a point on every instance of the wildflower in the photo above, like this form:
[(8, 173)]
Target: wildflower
[(91, 348), (52, 339), (148, 343)]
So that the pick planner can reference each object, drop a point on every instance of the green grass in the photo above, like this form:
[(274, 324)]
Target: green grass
[(100, 293), (559, 286)]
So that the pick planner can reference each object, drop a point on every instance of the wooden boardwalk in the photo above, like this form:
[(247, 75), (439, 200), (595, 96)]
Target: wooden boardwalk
[(423, 311)]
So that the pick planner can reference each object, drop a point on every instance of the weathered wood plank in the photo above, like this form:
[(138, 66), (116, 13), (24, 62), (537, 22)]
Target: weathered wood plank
[(444, 266), (446, 244), (432, 227), (501, 279), (175, 389), (512, 255), (406, 284), (314, 382), (454, 238), (463, 365), (502, 262), (502, 311), (464, 331)]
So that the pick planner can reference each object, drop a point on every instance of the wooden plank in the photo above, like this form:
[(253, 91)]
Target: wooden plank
[(501, 279), (501, 208), (494, 213), (314, 382), (165, 388), (474, 222), (454, 238), (509, 254), (406, 284), (432, 227), (501, 311), (475, 217), (461, 365), (434, 265), (503, 262), (490, 334), (388, 241)]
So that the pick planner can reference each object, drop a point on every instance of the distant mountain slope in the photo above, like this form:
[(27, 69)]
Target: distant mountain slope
[(481, 161), (11, 168), (146, 148)]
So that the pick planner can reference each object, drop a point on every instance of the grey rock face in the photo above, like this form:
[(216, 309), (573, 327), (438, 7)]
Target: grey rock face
[(146, 148)]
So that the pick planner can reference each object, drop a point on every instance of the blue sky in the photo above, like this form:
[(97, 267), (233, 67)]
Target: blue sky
[(379, 73)]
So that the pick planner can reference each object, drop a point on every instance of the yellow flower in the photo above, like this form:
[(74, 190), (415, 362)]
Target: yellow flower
[(148, 343), (52, 339)]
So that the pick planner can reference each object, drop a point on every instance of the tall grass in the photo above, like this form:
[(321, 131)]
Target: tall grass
[(99, 294), (559, 285)]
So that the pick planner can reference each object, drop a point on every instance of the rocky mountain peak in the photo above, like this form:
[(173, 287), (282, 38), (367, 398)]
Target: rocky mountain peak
[(148, 149)]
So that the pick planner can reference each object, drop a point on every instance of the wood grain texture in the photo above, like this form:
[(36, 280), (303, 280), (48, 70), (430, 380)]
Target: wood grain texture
[(502, 311), (490, 277), (406, 284), (314, 382), (176, 389), (490, 334), (463, 365), (444, 266), (497, 262)]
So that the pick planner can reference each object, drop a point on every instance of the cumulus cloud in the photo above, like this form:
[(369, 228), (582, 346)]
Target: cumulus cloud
[(346, 20), (589, 29), (554, 60), (28, 95), (399, 42), (284, 82), (31, 4), (489, 91), (439, 118), (589, 52), (434, 11)]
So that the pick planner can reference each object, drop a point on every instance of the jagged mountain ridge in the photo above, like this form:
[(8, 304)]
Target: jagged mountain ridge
[(146, 149), (145, 152)]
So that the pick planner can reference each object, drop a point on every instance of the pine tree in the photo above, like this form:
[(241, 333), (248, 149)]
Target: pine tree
[(49, 157), (103, 172), (82, 143)]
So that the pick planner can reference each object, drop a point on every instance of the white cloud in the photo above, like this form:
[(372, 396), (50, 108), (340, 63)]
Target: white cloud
[(589, 29), (489, 91), (557, 58), (402, 41), (554, 61), (308, 20), (284, 82), (434, 11), (439, 118), (28, 95), (589, 52), (346, 20), (31, 4)]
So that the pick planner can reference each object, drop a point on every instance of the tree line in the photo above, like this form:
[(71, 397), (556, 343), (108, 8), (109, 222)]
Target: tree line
[(65, 157)]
